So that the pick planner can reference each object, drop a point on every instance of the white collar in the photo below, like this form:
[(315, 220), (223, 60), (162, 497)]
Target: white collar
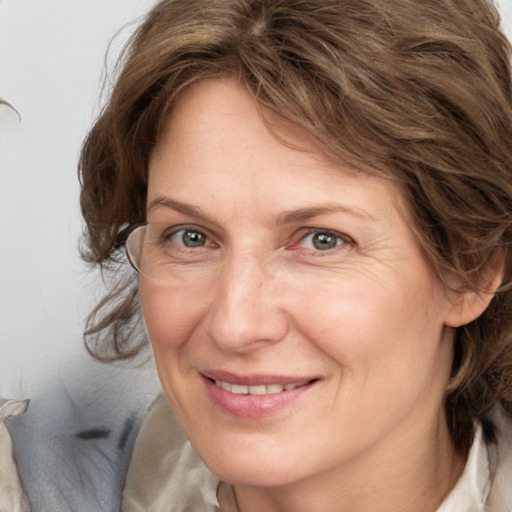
[(471, 491)]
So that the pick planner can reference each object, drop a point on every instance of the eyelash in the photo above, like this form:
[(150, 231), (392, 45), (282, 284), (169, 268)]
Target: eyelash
[(341, 240), (168, 237)]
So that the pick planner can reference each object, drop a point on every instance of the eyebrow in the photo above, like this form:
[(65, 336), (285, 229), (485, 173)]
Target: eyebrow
[(303, 214), (184, 208), (286, 217)]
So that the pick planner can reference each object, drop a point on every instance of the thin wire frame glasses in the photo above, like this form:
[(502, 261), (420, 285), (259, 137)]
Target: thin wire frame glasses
[(132, 238)]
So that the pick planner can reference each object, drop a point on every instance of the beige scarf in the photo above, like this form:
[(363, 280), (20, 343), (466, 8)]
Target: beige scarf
[(165, 474)]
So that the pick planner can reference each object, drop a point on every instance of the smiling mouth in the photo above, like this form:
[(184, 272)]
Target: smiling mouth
[(262, 389), (255, 395)]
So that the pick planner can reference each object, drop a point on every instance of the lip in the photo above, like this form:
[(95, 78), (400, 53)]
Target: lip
[(254, 406), (255, 379)]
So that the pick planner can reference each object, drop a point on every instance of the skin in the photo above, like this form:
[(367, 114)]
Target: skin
[(367, 318)]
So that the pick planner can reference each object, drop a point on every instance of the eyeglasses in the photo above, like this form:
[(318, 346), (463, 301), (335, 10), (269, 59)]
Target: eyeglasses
[(131, 238), (154, 249)]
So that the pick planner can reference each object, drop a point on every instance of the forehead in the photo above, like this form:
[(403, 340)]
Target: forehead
[(218, 143), (222, 111)]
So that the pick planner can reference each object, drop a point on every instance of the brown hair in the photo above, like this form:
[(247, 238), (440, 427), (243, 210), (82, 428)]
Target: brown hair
[(418, 92)]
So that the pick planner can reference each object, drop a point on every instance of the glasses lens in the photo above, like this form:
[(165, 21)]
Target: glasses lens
[(163, 253), (134, 246)]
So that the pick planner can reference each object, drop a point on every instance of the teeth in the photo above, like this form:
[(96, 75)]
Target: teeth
[(237, 389), (274, 388), (256, 390), (262, 389)]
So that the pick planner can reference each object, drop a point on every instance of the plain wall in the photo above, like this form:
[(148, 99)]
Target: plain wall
[(52, 55)]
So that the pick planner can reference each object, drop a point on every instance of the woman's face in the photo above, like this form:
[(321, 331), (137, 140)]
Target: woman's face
[(298, 330)]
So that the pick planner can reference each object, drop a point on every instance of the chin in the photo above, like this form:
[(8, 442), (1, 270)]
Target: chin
[(250, 467), (252, 476)]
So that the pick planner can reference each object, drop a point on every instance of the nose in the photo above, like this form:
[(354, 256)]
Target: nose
[(247, 311)]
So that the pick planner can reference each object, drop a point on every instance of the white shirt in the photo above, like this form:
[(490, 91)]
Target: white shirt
[(471, 491)]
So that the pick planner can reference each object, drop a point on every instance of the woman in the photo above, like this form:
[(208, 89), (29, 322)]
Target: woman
[(317, 197)]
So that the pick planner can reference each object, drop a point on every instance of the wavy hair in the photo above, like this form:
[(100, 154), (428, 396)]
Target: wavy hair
[(413, 91)]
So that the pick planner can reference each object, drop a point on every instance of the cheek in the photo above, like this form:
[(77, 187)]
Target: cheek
[(170, 314), (361, 323), (378, 338)]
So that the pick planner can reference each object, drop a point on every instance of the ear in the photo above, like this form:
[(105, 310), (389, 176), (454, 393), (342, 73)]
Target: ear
[(468, 304)]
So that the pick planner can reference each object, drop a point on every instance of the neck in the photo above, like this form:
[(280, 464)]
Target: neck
[(406, 474)]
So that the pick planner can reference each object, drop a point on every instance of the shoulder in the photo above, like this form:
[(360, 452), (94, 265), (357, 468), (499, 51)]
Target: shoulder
[(12, 494), (165, 470), (72, 445)]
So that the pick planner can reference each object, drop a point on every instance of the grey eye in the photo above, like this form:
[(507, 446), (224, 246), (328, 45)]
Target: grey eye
[(322, 240), (189, 238)]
